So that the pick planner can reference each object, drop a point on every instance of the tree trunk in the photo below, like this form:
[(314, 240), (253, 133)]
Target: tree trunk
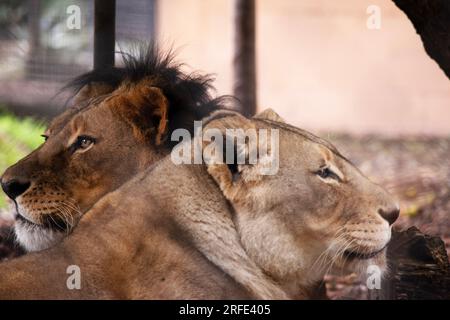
[(431, 19), (244, 61), (418, 268)]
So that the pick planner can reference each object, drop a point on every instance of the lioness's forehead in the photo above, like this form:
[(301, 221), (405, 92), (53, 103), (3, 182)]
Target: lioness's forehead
[(303, 135)]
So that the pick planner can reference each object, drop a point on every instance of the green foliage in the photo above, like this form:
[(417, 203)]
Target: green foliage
[(18, 137), (26, 131)]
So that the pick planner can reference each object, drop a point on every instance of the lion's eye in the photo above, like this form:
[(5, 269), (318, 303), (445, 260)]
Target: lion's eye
[(82, 143), (327, 173)]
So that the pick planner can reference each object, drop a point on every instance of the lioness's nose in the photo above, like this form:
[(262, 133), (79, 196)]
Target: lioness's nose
[(14, 187), (389, 214)]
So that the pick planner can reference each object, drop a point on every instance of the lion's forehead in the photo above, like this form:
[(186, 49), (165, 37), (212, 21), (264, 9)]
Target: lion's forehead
[(60, 121), (96, 115)]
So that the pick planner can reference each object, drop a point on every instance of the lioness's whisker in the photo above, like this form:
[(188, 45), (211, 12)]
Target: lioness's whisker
[(321, 260), (338, 236), (344, 256), (338, 253)]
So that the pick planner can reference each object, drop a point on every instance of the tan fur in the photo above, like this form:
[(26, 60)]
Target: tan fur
[(134, 245), (269, 114), (295, 225), (151, 243), (64, 187)]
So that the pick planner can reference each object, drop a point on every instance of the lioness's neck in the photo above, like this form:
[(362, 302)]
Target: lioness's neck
[(201, 209), (198, 206), (270, 245)]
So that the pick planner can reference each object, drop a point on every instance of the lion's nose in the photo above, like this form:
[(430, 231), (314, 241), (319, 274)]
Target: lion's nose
[(389, 214), (14, 187)]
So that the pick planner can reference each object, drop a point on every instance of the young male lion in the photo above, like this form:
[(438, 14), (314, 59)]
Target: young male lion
[(127, 113), (317, 210)]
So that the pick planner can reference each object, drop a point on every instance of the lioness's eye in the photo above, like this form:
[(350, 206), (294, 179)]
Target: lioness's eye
[(82, 142), (327, 173)]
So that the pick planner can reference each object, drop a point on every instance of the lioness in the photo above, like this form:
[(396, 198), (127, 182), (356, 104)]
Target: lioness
[(317, 210)]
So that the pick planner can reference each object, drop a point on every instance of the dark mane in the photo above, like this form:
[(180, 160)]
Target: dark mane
[(189, 95)]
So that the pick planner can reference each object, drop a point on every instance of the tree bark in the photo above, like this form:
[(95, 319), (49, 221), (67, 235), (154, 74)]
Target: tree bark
[(418, 268), (244, 61), (431, 19)]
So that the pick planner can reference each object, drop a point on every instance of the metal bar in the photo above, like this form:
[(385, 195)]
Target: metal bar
[(104, 33), (244, 62)]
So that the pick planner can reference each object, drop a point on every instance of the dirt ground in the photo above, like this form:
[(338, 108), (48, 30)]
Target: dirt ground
[(415, 170)]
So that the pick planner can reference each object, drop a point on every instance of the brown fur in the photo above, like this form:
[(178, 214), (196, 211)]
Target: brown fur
[(151, 243), (128, 248), (129, 112), (128, 124)]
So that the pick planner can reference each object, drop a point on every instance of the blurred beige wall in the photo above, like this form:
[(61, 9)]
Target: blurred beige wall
[(319, 65)]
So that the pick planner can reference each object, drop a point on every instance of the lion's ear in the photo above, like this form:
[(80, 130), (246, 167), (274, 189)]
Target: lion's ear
[(92, 90), (147, 110), (153, 101), (269, 114)]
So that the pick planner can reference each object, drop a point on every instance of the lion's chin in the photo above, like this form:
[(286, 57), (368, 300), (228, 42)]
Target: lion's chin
[(33, 237)]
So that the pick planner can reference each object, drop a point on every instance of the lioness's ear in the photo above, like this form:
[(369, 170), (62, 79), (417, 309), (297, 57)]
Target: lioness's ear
[(215, 148), (92, 90), (236, 154), (269, 114)]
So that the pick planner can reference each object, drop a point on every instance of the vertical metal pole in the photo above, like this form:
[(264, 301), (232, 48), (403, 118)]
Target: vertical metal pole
[(244, 62), (104, 33), (34, 15), (153, 17), (34, 32)]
